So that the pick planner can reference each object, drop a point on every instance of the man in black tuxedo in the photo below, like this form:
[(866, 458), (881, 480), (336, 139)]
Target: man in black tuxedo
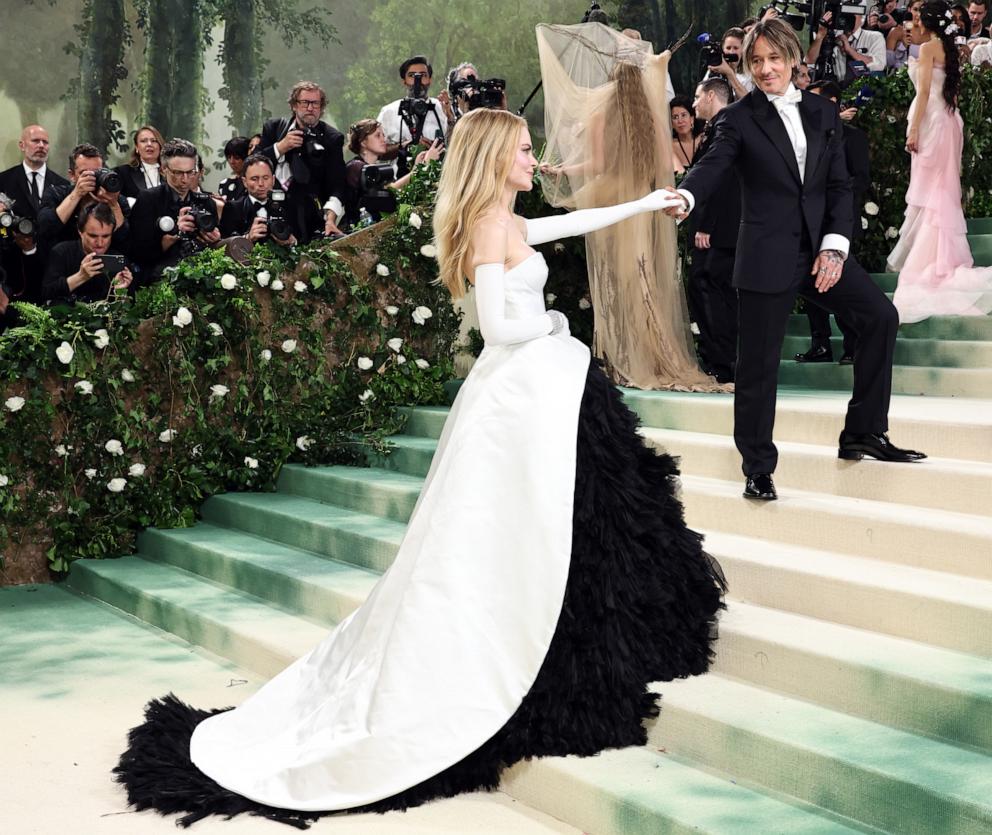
[(309, 158), (257, 215), (715, 227), (787, 149), (856, 154), (26, 182)]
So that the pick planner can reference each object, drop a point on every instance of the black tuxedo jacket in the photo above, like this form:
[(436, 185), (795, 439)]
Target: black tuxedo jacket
[(779, 211), (324, 176), (720, 216), (132, 180), (53, 231), (238, 216), (14, 183), (146, 237)]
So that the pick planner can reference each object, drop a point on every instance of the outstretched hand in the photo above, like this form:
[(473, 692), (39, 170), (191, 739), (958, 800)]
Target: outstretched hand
[(676, 206), (663, 198)]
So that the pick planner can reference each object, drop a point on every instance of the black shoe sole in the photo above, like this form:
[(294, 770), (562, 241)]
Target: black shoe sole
[(858, 454), (759, 498)]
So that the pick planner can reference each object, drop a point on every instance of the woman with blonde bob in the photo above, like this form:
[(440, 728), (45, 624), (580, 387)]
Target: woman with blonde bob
[(545, 579)]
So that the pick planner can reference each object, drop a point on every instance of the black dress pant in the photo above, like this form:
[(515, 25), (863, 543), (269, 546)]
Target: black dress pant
[(819, 329), (763, 320), (713, 272)]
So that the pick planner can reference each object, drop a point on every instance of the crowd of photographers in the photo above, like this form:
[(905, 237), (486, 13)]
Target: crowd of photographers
[(102, 232)]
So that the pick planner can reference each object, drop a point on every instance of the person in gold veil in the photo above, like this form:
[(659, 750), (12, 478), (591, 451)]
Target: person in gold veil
[(609, 141)]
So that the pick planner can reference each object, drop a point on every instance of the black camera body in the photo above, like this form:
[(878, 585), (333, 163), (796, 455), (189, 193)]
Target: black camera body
[(842, 15), (797, 19), (14, 225), (899, 16), (376, 198), (107, 179), (312, 145), (203, 211), (480, 94), (275, 221)]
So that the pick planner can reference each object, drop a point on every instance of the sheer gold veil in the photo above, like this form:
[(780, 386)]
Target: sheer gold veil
[(609, 141)]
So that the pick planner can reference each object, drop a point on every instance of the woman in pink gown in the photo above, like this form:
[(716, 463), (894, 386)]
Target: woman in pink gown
[(937, 276)]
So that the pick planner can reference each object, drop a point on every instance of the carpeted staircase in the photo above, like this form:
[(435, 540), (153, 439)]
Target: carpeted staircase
[(852, 691)]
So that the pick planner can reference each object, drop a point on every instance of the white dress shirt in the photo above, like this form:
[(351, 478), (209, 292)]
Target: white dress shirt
[(41, 172), (871, 46), (787, 106), (396, 130), (152, 174)]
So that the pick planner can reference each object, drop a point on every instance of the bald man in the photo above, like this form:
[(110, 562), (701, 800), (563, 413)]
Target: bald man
[(26, 182)]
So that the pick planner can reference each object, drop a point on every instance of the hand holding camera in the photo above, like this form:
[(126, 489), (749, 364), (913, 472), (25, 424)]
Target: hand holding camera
[(186, 224), (290, 142), (259, 230)]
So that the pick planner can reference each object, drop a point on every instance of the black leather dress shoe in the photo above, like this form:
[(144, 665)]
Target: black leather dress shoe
[(847, 359), (760, 487), (816, 354), (855, 447)]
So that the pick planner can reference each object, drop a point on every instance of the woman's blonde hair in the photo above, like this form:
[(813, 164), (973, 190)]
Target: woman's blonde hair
[(780, 36), (480, 154)]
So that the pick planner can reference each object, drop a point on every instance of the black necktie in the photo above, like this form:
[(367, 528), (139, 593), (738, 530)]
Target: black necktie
[(35, 194)]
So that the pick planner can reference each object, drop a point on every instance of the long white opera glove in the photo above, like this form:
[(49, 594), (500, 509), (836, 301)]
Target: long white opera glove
[(543, 229), (490, 301)]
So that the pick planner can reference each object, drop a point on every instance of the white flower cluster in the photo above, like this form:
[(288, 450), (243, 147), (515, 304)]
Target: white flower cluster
[(421, 314)]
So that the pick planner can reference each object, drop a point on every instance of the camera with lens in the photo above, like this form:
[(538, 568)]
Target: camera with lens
[(711, 51), (796, 19), (900, 16), (276, 222), (480, 94), (203, 210), (107, 179), (312, 146), (842, 15), (376, 198), (11, 224), (416, 105)]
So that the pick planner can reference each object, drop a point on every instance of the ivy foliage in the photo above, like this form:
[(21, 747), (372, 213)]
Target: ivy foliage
[(120, 415)]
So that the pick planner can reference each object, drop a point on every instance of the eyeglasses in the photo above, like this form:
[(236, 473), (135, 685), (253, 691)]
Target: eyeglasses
[(182, 174), (309, 105)]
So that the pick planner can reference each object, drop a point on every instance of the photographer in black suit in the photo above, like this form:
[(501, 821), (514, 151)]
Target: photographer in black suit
[(265, 213), (87, 269), (714, 229), (309, 158), (89, 182), (787, 149), (172, 220), (26, 182), (856, 155)]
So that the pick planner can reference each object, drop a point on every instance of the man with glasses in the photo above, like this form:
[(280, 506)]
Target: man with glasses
[(162, 218), (308, 155)]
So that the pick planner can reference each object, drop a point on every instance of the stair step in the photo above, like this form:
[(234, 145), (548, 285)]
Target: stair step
[(906, 379), (941, 483), (936, 539), (886, 281), (379, 492), (900, 683), (345, 535), (888, 778), (981, 248), (635, 791), (933, 607), (936, 327), (324, 590), (424, 421), (231, 624), (924, 352), (979, 225), (407, 454)]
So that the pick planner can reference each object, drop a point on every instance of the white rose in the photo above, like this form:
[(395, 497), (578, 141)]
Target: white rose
[(415, 220), (550, 298), (364, 363), (61, 451), (422, 314), (400, 359), (304, 442), (300, 287), (871, 208), (114, 447), (116, 485), (428, 251), (90, 473), (168, 436), (391, 309), (136, 470), (366, 395), (263, 278), (14, 404), (84, 387), (277, 285), (423, 364), (251, 463), (228, 281), (182, 318), (4, 481), (584, 303), (127, 376), (266, 355), (101, 339), (559, 247), (891, 233), (864, 222), (395, 344), (65, 353), (288, 346), (215, 329), (382, 269), (218, 391)]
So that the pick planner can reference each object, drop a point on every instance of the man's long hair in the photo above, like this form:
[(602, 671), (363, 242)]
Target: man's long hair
[(779, 35)]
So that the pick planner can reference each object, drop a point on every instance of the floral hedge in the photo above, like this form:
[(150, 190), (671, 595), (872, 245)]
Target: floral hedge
[(121, 415), (884, 120)]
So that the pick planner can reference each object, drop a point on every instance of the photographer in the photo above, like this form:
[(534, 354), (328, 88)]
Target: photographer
[(977, 12), (89, 182), (86, 269), (258, 216), (20, 260), (858, 51), (173, 220), (235, 152), (466, 92), (417, 111), (309, 158), (367, 141), (740, 82)]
